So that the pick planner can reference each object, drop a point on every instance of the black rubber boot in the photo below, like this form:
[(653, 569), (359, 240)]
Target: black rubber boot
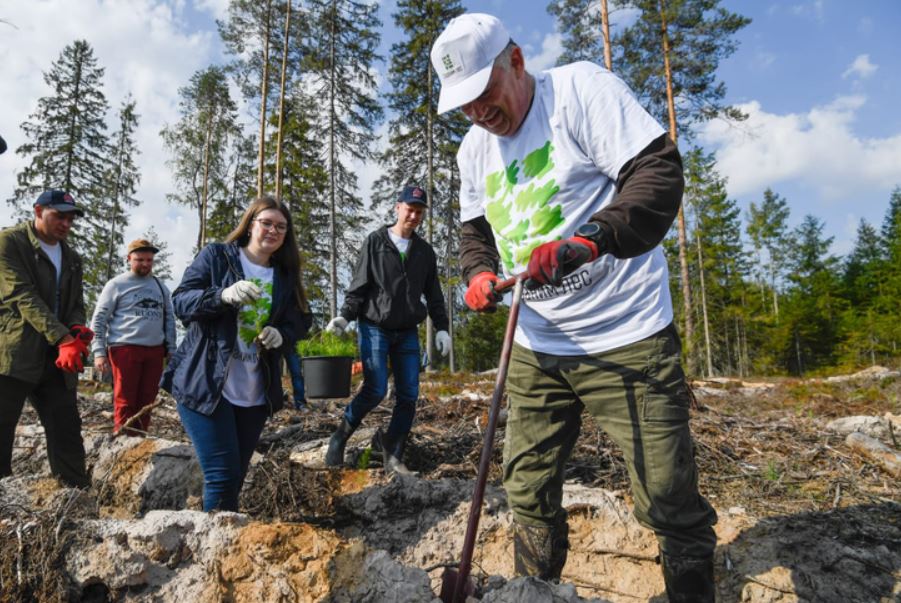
[(335, 455), (392, 451), (540, 551), (688, 579)]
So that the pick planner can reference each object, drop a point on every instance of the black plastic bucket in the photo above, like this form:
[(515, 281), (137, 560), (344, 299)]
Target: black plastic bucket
[(326, 376)]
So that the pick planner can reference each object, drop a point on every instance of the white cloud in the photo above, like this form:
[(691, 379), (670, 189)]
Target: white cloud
[(861, 68), (818, 150), (551, 49), (147, 48)]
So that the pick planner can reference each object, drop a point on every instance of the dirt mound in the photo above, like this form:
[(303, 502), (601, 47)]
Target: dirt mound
[(803, 516)]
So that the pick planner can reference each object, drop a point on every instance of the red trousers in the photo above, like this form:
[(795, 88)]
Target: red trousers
[(136, 381)]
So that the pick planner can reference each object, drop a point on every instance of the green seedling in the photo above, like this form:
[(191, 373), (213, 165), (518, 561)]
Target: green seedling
[(363, 463), (326, 344), (254, 315)]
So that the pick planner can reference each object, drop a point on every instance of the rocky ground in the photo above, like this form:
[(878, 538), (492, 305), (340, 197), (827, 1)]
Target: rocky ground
[(804, 475)]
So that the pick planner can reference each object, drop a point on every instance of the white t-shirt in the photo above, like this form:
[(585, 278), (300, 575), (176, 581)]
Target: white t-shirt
[(549, 178), (401, 243), (55, 253), (244, 383)]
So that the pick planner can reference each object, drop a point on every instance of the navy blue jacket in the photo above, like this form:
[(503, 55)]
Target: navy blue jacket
[(195, 375)]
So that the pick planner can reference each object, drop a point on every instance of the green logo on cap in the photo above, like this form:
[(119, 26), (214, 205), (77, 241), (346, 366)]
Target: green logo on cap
[(448, 62)]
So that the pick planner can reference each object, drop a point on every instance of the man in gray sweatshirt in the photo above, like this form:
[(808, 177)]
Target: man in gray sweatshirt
[(134, 325)]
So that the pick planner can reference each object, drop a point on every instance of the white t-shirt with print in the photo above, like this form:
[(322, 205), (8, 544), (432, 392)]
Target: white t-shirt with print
[(401, 243), (542, 183), (244, 384)]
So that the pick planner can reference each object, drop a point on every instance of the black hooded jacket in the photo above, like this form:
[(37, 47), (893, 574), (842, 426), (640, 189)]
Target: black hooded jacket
[(387, 291)]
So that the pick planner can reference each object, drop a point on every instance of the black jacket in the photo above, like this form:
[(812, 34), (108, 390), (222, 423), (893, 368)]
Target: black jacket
[(388, 292)]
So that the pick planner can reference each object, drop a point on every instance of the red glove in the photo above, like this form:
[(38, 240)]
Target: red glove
[(70, 355), (82, 332), (480, 295), (550, 262)]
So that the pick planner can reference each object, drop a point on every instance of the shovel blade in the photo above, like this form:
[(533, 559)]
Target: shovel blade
[(449, 585)]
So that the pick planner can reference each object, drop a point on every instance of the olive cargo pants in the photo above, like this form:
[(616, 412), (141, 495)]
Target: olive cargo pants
[(638, 395)]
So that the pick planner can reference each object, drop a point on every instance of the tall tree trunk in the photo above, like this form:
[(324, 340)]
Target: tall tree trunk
[(708, 354), (332, 221), (605, 30), (430, 143), (281, 105), (683, 244), (261, 155), (448, 274), (201, 236)]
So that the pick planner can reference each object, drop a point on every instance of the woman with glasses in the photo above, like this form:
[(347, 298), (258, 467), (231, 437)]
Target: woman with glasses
[(240, 302)]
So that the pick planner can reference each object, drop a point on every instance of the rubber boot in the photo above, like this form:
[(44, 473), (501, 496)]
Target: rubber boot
[(688, 579), (392, 450), (540, 550), (334, 457)]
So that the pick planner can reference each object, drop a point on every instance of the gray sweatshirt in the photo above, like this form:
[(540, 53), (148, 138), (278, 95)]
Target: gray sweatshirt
[(129, 311)]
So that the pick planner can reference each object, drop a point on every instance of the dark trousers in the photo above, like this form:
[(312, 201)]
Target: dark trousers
[(377, 347), (57, 410), (224, 442), (136, 381)]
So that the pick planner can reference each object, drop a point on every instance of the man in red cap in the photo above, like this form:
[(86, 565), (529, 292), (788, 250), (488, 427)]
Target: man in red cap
[(134, 323), (43, 340)]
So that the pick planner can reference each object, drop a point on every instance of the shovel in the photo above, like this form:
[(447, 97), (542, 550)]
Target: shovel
[(455, 583)]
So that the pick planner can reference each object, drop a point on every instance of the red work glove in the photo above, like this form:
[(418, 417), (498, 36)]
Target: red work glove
[(480, 295), (82, 332), (70, 355), (550, 262)]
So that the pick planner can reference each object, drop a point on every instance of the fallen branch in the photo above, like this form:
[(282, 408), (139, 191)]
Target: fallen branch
[(885, 457)]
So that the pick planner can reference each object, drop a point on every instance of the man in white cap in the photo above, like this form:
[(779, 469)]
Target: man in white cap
[(566, 177)]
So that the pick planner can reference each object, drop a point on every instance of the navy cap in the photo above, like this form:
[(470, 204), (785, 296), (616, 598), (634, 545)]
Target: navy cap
[(413, 194), (2, 145), (61, 201)]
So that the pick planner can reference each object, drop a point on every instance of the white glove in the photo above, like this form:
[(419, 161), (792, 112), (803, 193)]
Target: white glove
[(270, 338), (242, 292), (443, 343), (336, 325)]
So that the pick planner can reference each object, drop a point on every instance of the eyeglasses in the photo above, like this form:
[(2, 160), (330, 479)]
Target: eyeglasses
[(280, 227)]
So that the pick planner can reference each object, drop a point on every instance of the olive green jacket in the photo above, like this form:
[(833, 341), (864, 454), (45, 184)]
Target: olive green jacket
[(28, 326)]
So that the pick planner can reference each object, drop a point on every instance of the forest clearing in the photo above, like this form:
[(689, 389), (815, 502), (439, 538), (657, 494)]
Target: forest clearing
[(804, 515)]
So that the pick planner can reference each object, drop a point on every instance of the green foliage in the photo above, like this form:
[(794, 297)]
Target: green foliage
[(327, 344), (255, 315), (480, 339), (772, 472), (365, 457)]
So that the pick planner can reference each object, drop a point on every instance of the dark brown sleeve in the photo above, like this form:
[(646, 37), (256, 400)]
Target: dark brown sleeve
[(477, 250), (648, 195)]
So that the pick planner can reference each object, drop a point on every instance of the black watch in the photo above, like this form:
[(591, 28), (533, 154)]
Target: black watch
[(594, 233)]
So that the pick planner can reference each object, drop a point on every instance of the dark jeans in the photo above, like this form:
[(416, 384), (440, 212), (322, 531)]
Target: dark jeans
[(57, 409), (293, 362), (377, 346), (224, 443)]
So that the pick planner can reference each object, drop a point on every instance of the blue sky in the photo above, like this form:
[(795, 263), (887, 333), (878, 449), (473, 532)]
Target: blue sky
[(820, 80)]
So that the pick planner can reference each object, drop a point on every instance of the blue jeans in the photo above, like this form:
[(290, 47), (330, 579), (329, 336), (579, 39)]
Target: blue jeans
[(293, 362), (377, 346), (224, 443)]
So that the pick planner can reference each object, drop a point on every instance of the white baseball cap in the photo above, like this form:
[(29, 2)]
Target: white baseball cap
[(463, 56)]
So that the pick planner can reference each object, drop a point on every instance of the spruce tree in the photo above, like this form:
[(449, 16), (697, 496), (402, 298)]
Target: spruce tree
[(162, 263), (422, 144), (339, 72), (122, 180), (768, 229)]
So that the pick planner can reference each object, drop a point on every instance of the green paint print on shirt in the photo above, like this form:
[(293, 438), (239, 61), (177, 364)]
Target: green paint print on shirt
[(520, 221)]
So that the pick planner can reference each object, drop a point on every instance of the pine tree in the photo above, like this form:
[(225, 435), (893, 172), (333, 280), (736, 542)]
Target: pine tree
[(341, 51), (768, 229), (199, 143), (422, 144), (580, 23)]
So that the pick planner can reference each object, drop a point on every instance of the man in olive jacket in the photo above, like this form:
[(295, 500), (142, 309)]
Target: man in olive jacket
[(42, 334)]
